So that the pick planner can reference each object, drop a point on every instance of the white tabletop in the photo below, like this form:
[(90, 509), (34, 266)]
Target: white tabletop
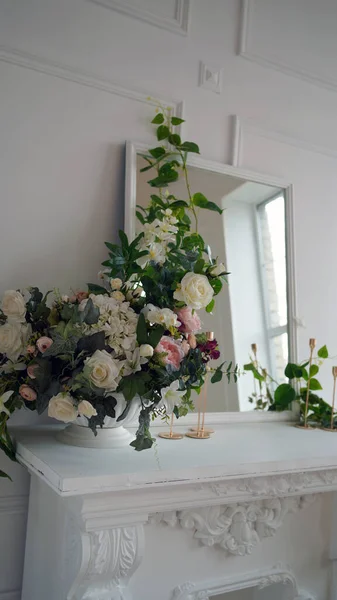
[(235, 450)]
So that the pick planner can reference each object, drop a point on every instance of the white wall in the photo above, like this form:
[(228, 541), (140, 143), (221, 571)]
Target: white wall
[(74, 80)]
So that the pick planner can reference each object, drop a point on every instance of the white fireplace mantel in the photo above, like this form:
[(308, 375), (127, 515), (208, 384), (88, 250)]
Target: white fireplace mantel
[(88, 507)]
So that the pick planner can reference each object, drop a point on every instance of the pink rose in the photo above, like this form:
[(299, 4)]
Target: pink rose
[(72, 299), (190, 322), (192, 340), (43, 343), (27, 393), (31, 349), (173, 350), (31, 371), (81, 296)]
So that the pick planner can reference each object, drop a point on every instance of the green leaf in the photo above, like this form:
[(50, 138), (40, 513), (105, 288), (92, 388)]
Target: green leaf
[(90, 314), (3, 474), (96, 289), (253, 369), (210, 306), (124, 240), (142, 334), (283, 396), (162, 132), (42, 400), (155, 335), (313, 370), (140, 217), (158, 119), (217, 376), (91, 343), (157, 200), (315, 384), (177, 121), (293, 371), (199, 266), (174, 139), (189, 147), (201, 201), (323, 352), (179, 204), (157, 152), (216, 285)]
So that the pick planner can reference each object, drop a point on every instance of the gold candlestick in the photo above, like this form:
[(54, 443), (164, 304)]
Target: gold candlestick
[(201, 432), (312, 344), (334, 375), (170, 435)]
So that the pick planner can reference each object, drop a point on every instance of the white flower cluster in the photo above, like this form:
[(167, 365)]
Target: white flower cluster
[(157, 236), (119, 323), (14, 334), (161, 316)]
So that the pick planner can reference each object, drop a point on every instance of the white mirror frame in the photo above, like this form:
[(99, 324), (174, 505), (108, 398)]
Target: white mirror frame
[(135, 148)]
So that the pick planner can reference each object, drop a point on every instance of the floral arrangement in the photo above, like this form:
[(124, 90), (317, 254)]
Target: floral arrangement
[(138, 333)]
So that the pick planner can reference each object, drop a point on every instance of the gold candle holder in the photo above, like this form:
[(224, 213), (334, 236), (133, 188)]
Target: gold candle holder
[(171, 435), (312, 344), (201, 432), (334, 375)]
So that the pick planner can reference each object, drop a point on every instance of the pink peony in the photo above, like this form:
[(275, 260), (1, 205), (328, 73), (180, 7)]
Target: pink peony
[(43, 343), (173, 350), (190, 321), (27, 393)]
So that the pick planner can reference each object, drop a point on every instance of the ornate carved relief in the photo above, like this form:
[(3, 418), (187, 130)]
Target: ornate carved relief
[(236, 528), (109, 558)]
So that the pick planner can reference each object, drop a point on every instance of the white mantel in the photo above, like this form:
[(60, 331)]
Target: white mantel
[(89, 508)]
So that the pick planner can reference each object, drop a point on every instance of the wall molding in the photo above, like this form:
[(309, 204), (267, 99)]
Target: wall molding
[(242, 125), (246, 51), (179, 24), (13, 505), (61, 71), (261, 579), (235, 528)]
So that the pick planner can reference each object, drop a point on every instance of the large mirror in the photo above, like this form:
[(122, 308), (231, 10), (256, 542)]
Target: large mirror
[(252, 320)]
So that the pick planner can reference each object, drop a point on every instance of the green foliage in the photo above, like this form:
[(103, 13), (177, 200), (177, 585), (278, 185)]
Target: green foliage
[(201, 201)]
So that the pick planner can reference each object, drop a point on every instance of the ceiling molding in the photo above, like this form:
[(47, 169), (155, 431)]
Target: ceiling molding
[(61, 71), (246, 51), (179, 24), (242, 126)]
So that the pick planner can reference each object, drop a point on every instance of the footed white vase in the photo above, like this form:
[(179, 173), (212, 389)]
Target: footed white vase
[(112, 435)]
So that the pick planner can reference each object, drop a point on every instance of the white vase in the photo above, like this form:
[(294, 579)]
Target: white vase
[(112, 435)]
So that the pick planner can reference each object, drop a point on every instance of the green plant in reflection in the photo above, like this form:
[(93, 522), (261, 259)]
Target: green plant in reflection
[(268, 395)]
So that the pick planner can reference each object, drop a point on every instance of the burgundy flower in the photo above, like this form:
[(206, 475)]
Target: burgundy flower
[(209, 350)]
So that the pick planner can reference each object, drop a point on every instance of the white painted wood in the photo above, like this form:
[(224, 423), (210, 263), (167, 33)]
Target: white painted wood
[(268, 448), (98, 531)]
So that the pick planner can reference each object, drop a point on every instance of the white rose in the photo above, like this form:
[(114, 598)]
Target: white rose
[(61, 407), (13, 338), (146, 351), (195, 290), (65, 298), (86, 409), (13, 305), (217, 270), (116, 283), (119, 296), (104, 370)]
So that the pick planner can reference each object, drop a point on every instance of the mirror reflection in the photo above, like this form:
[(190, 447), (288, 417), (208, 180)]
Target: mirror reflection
[(250, 320)]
